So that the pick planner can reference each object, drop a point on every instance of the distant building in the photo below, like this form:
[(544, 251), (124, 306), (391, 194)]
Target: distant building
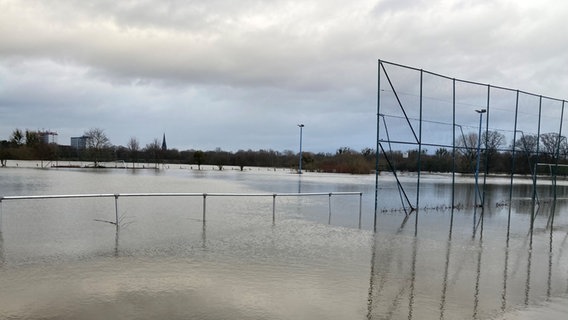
[(164, 145), (47, 137), (79, 143)]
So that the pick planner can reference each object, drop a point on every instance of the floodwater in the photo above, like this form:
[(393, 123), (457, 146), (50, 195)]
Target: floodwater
[(60, 260)]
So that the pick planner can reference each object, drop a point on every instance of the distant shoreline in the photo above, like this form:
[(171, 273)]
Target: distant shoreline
[(128, 165), (405, 176)]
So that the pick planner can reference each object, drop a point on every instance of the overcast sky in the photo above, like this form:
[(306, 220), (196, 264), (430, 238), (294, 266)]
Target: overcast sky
[(243, 74)]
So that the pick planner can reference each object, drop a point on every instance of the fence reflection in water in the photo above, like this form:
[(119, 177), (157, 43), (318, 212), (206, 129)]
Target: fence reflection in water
[(462, 275)]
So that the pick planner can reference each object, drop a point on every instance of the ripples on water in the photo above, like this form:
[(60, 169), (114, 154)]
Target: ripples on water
[(58, 263), (275, 273)]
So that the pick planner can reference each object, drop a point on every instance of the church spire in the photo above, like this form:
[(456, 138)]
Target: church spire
[(164, 145)]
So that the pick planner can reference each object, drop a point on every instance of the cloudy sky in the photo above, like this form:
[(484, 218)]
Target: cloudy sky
[(243, 74)]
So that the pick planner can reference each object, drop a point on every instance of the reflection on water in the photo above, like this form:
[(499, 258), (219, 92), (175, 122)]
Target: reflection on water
[(1, 249), (467, 272), (57, 262), (275, 273)]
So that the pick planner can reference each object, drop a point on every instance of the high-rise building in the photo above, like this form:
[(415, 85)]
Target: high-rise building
[(79, 143), (47, 137)]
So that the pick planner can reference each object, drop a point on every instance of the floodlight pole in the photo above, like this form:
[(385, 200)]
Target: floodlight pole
[(481, 112), (301, 126)]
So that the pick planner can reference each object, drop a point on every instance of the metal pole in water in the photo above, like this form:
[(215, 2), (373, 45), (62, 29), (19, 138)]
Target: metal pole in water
[(534, 176), (513, 161), (453, 153), (486, 171), (478, 193), (555, 175), (0, 214), (329, 201), (274, 208), (301, 125), (360, 207), (116, 209), (204, 205), (377, 146), (419, 165)]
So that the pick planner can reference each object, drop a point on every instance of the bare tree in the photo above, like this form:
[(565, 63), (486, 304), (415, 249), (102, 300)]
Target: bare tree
[(442, 153), (527, 143), (368, 153), (492, 141), (553, 143), (466, 146), (198, 157), (97, 142), (133, 148), (154, 150)]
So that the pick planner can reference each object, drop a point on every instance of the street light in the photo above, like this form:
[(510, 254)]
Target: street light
[(481, 112), (300, 166)]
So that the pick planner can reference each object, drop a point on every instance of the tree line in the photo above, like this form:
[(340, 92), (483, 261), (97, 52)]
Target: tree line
[(24, 145), (495, 156)]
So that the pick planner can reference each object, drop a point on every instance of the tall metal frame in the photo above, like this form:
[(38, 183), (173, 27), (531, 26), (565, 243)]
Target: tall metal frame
[(412, 117)]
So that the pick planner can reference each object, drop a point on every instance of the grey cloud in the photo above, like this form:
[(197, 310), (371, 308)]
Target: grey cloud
[(278, 49), (243, 74)]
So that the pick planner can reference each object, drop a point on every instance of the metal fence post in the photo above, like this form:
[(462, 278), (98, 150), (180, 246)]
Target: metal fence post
[(116, 196), (204, 205), (116, 209), (360, 207), (274, 208), (329, 219), (1, 214)]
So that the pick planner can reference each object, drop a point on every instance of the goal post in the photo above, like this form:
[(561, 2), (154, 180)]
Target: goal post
[(552, 170)]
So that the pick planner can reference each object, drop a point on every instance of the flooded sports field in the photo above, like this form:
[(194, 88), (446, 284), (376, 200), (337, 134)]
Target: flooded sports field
[(294, 258)]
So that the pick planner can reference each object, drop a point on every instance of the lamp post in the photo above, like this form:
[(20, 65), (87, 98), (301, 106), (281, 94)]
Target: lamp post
[(481, 112), (301, 126)]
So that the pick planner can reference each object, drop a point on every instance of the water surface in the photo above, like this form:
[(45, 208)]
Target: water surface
[(59, 262)]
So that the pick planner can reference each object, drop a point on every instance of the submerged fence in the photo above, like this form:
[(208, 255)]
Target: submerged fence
[(116, 196), (431, 122)]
